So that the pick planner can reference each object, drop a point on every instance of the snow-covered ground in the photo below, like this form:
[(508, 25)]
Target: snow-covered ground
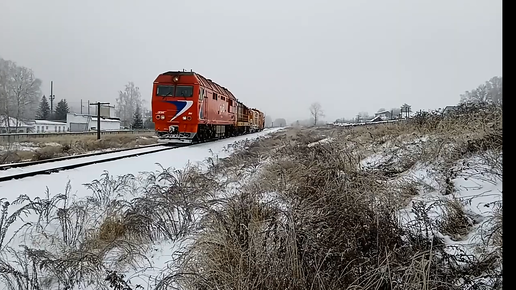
[(476, 190), (175, 158), (74, 181), (38, 167), (21, 146), (476, 186)]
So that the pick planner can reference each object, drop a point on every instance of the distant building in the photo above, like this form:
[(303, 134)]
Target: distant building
[(377, 119), (85, 122), (44, 126), (383, 115), (13, 125)]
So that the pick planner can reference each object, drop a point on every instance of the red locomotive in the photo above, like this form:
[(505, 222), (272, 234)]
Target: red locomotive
[(189, 108)]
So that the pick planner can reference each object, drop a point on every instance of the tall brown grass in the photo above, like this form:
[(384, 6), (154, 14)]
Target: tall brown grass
[(63, 145), (314, 218)]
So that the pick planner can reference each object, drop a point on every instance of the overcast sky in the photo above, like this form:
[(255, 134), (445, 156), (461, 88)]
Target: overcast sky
[(278, 56)]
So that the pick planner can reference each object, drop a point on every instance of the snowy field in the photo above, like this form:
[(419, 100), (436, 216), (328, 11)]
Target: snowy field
[(405, 206)]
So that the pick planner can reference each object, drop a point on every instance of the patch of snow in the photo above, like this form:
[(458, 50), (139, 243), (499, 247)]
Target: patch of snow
[(322, 141), (19, 146), (51, 144), (478, 191)]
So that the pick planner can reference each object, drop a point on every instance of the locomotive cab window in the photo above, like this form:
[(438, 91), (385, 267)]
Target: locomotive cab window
[(184, 91), (165, 91)]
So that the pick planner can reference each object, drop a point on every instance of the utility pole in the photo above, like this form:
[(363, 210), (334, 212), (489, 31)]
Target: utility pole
[(89, 107), (98, 104), (81, 106), (52, 97)]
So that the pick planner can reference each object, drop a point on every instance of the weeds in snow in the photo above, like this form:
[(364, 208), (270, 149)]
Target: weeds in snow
[(283, 212)]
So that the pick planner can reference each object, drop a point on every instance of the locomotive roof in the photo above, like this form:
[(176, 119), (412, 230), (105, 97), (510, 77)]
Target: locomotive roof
[(205, 82)]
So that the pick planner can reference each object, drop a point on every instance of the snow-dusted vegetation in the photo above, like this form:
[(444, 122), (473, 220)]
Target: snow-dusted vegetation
[(407, 205)]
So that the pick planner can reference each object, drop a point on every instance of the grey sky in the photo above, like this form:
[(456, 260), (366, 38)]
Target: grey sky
[(278, 56)]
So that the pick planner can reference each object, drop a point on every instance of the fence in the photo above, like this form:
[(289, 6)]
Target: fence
[(7, 138)]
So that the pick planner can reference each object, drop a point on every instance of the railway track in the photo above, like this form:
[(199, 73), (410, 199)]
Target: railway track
[(28, 169), (29, 163)]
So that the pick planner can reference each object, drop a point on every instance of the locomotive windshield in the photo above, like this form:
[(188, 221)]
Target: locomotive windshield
[(164, 91), (184, 91), (180, 91)]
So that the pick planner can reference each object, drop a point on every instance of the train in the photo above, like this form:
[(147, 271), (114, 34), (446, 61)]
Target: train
[(189, 108)]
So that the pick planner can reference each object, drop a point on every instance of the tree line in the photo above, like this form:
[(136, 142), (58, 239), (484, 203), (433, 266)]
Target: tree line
[(59, 114), (21, 99), (490, 92)]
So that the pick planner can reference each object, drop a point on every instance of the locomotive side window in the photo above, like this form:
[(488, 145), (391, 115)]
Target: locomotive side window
[(214, 96), (184, 91), (165, 91)]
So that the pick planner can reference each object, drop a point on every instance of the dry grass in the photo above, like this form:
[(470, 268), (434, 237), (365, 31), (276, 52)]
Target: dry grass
[(314, 218), (283, 212), (59, 146)]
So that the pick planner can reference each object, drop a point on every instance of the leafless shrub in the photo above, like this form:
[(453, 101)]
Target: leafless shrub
[(48, 153), (454, 222), (71, 242)]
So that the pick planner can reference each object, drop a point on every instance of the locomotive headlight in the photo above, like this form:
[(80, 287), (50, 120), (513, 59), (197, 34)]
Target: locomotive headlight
[(184, 117), (176, 79), (162, 117)]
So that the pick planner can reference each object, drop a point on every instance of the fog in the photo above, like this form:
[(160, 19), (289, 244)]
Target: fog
[(277, 56)]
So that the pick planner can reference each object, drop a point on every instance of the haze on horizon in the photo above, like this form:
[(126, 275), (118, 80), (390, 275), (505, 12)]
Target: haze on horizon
[(277, 56)]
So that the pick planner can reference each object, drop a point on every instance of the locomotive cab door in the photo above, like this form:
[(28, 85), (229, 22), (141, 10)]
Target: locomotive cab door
[(203, 101)]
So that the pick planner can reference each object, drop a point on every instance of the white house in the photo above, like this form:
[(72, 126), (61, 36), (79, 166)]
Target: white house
[(85, 122), (13, 125), (106, 124), (382, 115), (44, 126)]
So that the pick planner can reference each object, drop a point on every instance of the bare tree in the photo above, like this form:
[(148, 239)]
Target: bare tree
[(280, 122), (268, 121), (316, 112), (127, 102), (489, 92), (495, 90), (19, 92), (362, 116), (26, 91)]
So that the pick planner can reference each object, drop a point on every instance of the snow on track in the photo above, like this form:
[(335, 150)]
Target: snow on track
[(54, 164), (56, 182)]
